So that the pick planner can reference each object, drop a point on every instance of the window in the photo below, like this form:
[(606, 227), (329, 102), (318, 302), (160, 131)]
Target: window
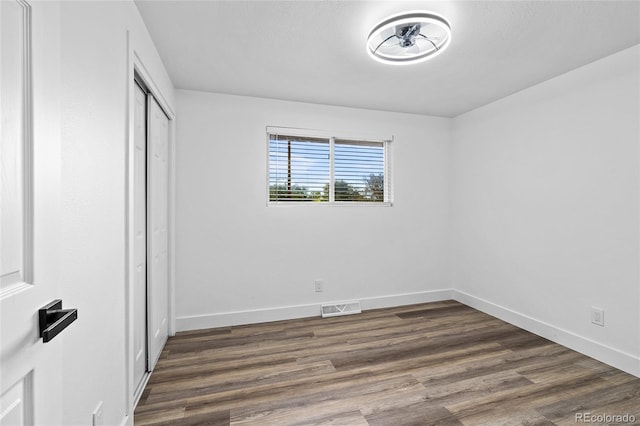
[(326, 169)]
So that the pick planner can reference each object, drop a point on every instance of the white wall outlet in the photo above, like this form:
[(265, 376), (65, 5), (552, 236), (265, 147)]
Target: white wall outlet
[(597, 316), (319, 286), (97, 417)]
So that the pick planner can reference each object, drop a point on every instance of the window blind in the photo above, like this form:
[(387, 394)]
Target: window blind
[(359, 171), (298, 169), (317, 169)]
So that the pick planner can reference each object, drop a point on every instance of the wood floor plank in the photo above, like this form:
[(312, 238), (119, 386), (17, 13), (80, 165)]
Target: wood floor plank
[(523, 399), (483, 364), (473, 388), (417, 413), (332, 403), (352, 418), (435, 363), (218, 418), (349, 388), (159, 416), (416, 348), (238, 379), (435, 312), (217, 344), (509, 417), (623, 398)]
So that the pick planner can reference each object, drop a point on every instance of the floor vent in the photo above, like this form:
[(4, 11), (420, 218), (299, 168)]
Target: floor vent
[(342, 308)]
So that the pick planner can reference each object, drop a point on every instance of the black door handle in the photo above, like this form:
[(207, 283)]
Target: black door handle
[(53, 319)]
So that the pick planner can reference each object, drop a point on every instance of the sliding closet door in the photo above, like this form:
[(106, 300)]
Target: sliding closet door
[(157, 208), (140, 238)]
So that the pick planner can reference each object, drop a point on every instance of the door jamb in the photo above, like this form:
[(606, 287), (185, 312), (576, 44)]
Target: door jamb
[(135, 64)]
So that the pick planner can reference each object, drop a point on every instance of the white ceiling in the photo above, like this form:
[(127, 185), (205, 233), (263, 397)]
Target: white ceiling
[(314, 51)]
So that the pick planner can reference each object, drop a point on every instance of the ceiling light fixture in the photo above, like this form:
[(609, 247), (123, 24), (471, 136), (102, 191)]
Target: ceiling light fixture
[(409, 38)]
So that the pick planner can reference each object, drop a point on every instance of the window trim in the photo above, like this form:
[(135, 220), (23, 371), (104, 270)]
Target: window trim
[(332, 136)]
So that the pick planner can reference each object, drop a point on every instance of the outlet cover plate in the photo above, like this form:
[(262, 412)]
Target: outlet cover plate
[(597, 316)]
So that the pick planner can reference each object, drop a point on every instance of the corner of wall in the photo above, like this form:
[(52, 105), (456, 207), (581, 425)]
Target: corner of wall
[(611, 356), (507, 259)]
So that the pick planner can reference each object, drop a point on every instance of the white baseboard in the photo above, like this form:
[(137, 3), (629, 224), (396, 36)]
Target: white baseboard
[(225, 319), (611, 356)]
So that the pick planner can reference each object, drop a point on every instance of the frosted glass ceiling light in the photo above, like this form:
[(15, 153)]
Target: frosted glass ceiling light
[(408, 38)]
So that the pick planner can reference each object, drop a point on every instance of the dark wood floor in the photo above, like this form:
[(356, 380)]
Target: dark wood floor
[(438, 363)]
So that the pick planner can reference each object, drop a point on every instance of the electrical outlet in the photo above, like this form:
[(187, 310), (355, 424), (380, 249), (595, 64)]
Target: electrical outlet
[(597, 316), (319, 286), (98, 418)]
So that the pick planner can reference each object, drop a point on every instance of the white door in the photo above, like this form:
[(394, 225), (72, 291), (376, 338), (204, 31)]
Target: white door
[(157, 208), (30, 370), (140, 239)]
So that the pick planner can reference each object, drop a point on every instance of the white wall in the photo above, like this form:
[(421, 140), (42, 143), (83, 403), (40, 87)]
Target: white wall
[(235, 255), (94, 137), (545, 197)]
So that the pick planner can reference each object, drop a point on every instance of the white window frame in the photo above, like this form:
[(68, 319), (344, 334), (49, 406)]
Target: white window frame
[(332, 136)]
